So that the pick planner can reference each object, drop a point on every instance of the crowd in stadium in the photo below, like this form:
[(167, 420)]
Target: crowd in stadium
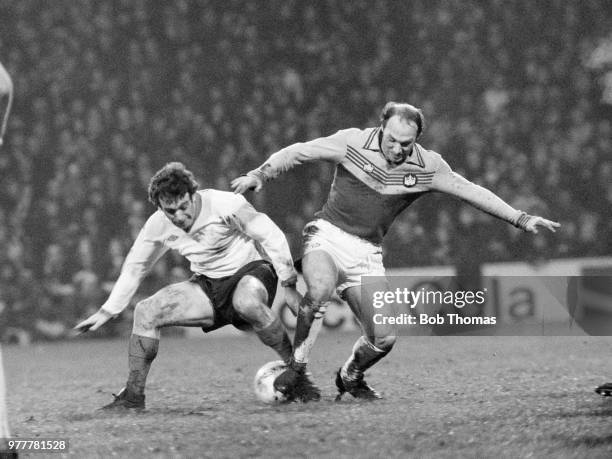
[(108, 91)]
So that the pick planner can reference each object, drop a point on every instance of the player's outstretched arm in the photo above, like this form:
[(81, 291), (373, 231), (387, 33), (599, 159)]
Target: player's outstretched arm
[(93, 322), (454, 184), (138, 263), (331, 148)]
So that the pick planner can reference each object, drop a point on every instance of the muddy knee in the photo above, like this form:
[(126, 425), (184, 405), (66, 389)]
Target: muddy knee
[(384, 343), (320, 288), (145, 315)]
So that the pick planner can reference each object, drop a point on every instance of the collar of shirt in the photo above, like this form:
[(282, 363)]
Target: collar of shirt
[(373, 144)]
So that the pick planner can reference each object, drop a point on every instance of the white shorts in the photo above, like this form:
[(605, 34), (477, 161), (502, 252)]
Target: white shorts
[(354, 257)]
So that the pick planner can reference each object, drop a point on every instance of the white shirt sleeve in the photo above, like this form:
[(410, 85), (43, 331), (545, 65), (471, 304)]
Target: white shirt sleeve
[(145, 252), (259, 227)]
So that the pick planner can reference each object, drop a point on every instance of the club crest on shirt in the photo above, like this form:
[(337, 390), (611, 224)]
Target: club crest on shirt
[(368, 168), (410, 180)]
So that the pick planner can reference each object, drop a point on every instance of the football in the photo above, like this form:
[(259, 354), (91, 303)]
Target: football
[(263, 384)]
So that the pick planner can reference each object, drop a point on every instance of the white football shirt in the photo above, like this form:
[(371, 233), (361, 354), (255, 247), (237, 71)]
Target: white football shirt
[(227, 234)]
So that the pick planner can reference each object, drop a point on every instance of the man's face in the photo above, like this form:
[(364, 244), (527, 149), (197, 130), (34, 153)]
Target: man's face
[(398, 139), (181, 211)]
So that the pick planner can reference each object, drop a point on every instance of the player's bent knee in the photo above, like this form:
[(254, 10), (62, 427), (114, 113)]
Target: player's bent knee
[(320, 288), (250, 293), (250, 301), (145, 315), (384, 343)]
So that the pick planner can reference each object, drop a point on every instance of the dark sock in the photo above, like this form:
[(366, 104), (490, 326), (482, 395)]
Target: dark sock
[(275, 336), (305, 316), (142, 351), (364, 355)]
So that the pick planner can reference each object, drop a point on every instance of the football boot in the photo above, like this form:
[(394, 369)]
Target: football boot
[(605, 390), (125, 401), (358, 388), (296, 385)]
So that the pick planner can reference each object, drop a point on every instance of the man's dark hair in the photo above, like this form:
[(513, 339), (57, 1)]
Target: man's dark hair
[(404, 111), (171, 182)]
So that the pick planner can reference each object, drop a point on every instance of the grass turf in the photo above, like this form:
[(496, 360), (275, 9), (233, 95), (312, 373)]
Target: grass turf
[(444, 397)]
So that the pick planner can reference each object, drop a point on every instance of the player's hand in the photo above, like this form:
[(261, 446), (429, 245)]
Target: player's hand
[(293, 299), (534, 222), (245, 183), (93, 322)]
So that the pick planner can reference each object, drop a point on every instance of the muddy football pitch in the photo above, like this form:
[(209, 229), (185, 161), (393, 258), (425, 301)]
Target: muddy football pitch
[(443, 397)]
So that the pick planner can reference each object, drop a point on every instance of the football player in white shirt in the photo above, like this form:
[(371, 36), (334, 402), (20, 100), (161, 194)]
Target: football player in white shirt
[(237, 256)]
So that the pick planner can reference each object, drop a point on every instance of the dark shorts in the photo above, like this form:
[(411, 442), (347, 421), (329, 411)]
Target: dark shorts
[(221, 290)]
